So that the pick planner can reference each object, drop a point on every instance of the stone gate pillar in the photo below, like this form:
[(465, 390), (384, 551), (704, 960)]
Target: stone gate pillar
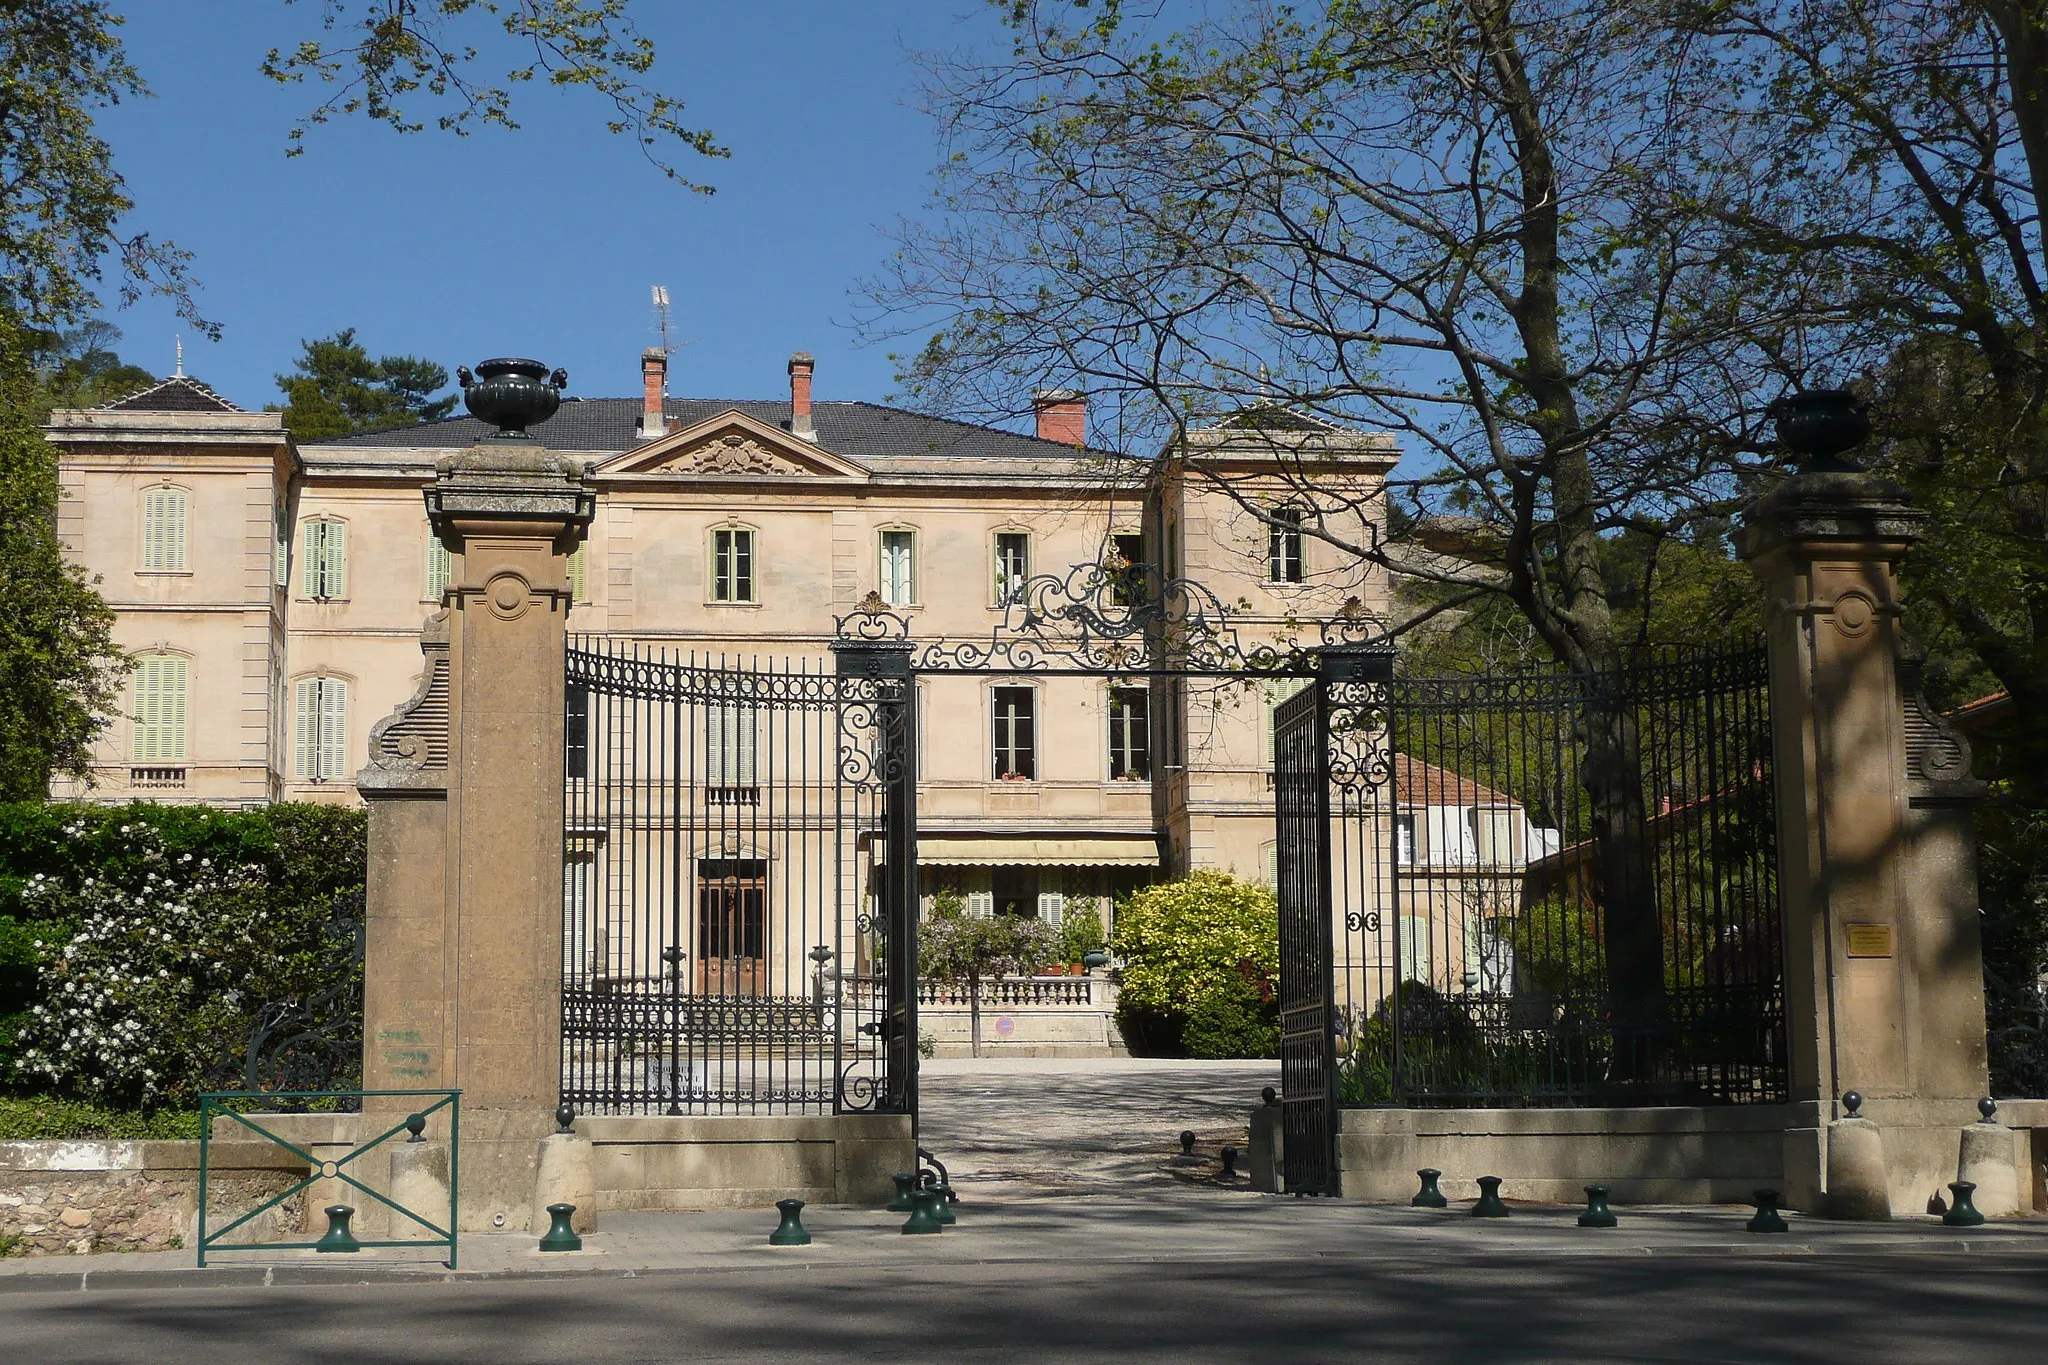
[(1877, 880), (464, 955)]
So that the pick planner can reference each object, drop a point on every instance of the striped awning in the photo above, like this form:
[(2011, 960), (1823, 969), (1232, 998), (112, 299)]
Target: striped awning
[(1116, 850)]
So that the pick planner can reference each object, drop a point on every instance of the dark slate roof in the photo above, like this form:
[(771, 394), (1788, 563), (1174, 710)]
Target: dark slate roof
[(179, 393), (861, 432)]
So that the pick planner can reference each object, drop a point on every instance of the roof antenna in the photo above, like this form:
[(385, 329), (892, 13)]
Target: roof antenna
[(660, 292), (180, 372)]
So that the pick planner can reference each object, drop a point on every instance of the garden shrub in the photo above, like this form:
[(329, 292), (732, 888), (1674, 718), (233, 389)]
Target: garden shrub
[(1208, 947), (141, 946)]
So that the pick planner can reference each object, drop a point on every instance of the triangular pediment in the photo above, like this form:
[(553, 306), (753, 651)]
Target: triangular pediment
[(732, 445)]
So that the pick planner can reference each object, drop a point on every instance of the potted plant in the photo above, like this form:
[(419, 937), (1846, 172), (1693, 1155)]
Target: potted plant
[(1080, 934)]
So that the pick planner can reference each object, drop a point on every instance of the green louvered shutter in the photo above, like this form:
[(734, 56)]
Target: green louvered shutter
[(159, 735), (163, 529), (333, 729), (440, 568), (306, 728), (326, 559), (579, 578)]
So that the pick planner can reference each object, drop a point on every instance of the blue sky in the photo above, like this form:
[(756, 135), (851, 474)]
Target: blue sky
[(541, 242)]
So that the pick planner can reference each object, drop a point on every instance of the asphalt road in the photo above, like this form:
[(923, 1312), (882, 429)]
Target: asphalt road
[(1869, 1309)]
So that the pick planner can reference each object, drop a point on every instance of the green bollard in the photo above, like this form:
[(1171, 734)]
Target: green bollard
[(1429, 1196), (923, 1217), (339, 1238), (1767, 1217), (1489, 1205), (561, 1237), (942, 1207), (1962, 1213), (790, 1232), (906, 1182), (1597, 1214)]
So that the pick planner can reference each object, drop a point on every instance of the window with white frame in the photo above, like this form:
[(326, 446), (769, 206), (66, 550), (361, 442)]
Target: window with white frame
[(1014, 731), (732, 564), (440, 567), (1283, 545), (1404, 838), (1130, 734), (164, 517), (898, 576), (323, 555), (160, 705), (576, 725), (1013, 565), (321, 709)]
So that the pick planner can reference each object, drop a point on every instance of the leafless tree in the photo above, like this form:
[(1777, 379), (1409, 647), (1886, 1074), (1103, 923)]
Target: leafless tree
[(1489, 226)]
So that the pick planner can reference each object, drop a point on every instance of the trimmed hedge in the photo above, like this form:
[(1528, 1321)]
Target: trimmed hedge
[(39, 1117)]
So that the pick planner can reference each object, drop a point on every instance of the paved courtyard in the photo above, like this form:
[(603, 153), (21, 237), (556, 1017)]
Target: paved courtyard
[(1031, 1127), (1081, 1239)]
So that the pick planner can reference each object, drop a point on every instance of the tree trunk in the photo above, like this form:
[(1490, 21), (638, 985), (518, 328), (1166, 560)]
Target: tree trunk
[(1625, 892), (974, 1012)]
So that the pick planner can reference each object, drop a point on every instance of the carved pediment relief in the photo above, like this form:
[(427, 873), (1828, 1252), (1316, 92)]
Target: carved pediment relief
[(732, 453), (731, 445)]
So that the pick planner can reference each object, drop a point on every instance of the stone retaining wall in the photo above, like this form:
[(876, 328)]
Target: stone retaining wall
[(78, 1196)]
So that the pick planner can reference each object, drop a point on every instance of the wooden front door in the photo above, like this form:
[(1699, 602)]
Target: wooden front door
[(732, 926)]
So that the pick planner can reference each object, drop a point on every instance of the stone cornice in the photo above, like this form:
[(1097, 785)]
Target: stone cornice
[(1832, 509), (508, 484)]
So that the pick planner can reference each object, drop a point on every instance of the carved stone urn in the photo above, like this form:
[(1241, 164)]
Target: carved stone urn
[(512, 394)]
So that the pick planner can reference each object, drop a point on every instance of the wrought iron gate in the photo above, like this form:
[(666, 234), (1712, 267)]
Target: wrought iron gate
[(736, 884), (1308, 1061)]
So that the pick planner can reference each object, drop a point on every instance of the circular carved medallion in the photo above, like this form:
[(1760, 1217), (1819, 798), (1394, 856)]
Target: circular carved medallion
[(1853, 613), (508, 596)]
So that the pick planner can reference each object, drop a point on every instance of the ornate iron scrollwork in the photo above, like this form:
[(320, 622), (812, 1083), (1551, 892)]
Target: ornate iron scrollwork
[(1114, 618)]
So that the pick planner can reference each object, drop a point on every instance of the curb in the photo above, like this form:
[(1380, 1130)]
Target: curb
[(308, 1276)]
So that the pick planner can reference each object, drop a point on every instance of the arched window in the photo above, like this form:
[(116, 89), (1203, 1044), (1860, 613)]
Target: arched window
[(160, 692), (163, 530), (322, 734)]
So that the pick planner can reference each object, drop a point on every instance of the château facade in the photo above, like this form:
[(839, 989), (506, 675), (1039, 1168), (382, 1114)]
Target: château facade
[(272, 594)]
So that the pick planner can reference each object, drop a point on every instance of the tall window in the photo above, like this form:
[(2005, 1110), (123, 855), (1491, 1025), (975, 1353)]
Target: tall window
[(1013, 565), (1283, 545), (1404, 838), (729, 754), (324, 554), (1127, 568), (1014, 737), (163, 529), (898, 580), (732, 565), (322, 729), (1130, 739), (440, 567), (159, 735)]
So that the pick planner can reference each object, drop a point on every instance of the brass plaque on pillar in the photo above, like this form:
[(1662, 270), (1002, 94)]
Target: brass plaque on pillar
[(1870, 940)]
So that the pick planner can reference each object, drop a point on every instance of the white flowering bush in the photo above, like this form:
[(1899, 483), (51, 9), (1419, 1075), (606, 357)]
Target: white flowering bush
[(155, 963)]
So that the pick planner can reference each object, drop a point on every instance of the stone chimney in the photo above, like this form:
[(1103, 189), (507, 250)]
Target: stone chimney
[(654, 379), (800, 366), (1062, 416)]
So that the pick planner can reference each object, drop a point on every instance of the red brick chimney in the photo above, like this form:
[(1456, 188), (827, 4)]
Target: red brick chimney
[(800, 367), (1062, 416), (654, 382)]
